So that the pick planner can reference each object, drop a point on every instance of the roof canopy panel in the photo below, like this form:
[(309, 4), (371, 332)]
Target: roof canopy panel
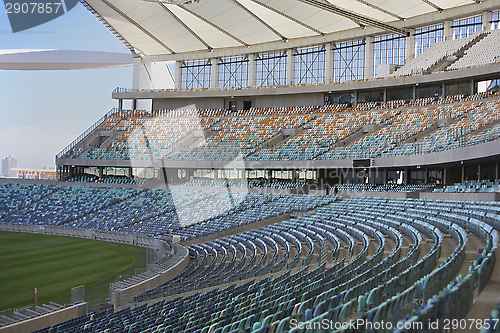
[(162, 29)]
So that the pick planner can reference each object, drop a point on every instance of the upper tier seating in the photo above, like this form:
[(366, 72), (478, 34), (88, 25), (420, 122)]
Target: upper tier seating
[(302, 133), (432, 55), (487, 51)]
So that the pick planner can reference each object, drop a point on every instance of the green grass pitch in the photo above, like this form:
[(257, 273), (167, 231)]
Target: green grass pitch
[(54, 265)]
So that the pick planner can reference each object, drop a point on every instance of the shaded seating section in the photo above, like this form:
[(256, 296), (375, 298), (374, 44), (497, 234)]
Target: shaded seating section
[(473, 186), (14, 197), (108, 180), (382, 283), (156, 213), (238, 183), (383, 187)]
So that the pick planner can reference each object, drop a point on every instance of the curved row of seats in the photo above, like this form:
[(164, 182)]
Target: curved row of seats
[(156, 213), (399, 286), (472, 186)]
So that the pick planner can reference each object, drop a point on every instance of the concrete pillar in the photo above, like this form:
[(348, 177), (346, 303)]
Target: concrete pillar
[(426, 175), (251, 70), (443, 90), (463, 173), (385, 95), (101, 172), (290, 67), (243, 175), (177, 75), (295, 177), (329, 63), (496, 170), (479, 172), (406, 176), (120, 104), (384, 176), (447, 33), (472, 87), (486, 21), (215, 73), (410, 45), (216, 174), (369, 74), (414, 92), (445, 176)]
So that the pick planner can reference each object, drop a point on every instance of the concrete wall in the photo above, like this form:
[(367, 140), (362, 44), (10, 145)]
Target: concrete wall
[(38, 323), (126, 296)]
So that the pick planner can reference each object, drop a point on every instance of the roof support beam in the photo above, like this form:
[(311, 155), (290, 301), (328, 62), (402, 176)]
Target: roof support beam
[(213, 25), (357, 18), (433, 5), (138, 26), (181, 22), (380, 9), (289, 17), (283, 38)]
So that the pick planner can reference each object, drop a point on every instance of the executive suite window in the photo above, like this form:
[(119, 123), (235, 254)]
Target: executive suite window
[(465, 27), (196, 74), (370, 96), (271, 69), (233, 72), (426, 91), (389, 49), (349, 61), (428, 36), (397, 94), (458, 88), (310, 65)]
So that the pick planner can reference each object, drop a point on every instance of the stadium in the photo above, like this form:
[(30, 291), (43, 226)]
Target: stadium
[(285, 166)]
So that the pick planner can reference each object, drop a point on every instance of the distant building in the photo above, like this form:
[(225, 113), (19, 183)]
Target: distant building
[(29, 173), (8, 164)]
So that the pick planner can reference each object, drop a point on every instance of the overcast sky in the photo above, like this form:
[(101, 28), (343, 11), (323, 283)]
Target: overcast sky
[(41, 112)]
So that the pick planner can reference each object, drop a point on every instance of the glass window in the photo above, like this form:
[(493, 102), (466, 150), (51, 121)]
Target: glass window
[(310, 65), (389, 49), (349, 61), (233, 72), (196, 74), (271, 69), (463, 28), (428, 36)]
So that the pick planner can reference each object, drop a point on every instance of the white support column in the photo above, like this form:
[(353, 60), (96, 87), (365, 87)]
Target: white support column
[(290, 67), (177, 76), (369, 58), (251, 70), (410, 46), (136, 76), (328, 63), (215, 73), (486, 21), (448, 33)]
